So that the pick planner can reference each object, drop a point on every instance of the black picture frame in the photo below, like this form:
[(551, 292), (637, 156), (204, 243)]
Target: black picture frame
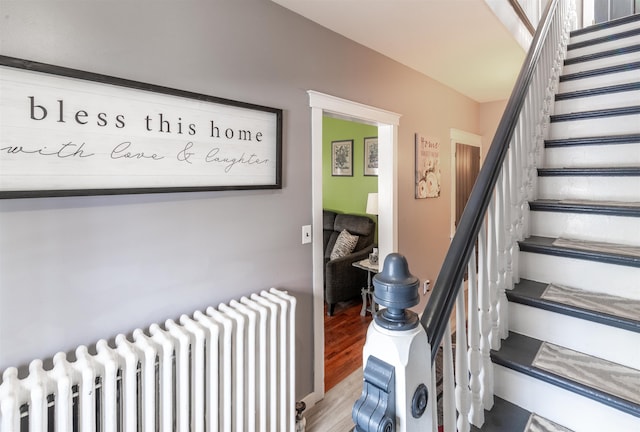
[(342, 158), (255, 162), (370, 156)]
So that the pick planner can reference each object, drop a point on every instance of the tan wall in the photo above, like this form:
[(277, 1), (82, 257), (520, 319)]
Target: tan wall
[(490, 114), (424, 224)]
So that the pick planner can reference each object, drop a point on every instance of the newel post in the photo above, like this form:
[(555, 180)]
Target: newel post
[(396, 358)]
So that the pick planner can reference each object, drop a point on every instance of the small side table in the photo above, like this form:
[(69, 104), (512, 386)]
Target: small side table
[(368, 303)]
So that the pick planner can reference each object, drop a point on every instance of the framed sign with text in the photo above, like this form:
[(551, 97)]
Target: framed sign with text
[(68, 132)]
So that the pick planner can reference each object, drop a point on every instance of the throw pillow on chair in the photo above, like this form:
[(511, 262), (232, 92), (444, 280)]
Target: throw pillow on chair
[(345, 244)]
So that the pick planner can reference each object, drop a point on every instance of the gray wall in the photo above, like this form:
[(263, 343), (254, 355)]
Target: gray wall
[(76, 269)]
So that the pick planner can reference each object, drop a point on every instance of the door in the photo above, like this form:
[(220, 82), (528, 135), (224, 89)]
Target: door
[(467, 169)]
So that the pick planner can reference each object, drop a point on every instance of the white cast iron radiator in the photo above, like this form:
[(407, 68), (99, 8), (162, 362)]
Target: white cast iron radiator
[(227, 369)]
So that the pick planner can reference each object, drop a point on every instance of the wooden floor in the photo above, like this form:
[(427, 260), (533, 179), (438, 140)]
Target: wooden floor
[(333, 413), (344, 337)]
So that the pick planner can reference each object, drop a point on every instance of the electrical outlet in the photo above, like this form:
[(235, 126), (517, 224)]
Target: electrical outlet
[(426, 287), (306, 234)]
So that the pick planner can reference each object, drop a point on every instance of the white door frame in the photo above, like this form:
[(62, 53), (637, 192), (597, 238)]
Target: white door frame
[(387, 123), (467, 138)]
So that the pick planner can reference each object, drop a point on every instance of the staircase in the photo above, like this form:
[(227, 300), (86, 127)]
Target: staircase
[(573, 352)]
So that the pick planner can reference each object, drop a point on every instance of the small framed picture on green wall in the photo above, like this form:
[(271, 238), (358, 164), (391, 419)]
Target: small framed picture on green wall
[(342, 158), (371, 156)]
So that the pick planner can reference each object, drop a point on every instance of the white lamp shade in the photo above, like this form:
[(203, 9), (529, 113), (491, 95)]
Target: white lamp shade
[(372, 203)]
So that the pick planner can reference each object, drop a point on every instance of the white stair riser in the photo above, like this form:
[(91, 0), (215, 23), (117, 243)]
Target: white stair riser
[(566, 408), (605, 32), (593, 276), (613, 125), (603, 46), (598, 340), (601, 62), (592, 156), (590, 103), (585, 226), (599, 81), (599, 188)]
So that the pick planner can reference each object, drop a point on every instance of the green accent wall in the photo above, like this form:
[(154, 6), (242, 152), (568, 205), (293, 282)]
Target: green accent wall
[(346, 194)]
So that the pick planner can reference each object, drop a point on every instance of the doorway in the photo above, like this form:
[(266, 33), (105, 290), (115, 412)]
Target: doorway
[(466, 159), (467, 169), (387, 124)]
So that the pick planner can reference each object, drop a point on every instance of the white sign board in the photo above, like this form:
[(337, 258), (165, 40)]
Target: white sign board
[(67, 132)]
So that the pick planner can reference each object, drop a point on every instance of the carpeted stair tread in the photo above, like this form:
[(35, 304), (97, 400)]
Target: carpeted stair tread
[(592, 251), (601, 308), (595, 140), (576, 372), (608, 208), (541, 424), (610, 378)]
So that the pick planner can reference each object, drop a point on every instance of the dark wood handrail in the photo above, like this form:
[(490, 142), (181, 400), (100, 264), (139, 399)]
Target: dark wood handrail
[(447, 286)]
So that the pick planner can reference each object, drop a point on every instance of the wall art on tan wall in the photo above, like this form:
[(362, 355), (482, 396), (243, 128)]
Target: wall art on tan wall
[(428, 177)]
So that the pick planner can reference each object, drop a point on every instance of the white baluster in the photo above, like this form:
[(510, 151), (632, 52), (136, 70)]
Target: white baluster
[(476, 411), (508, 216), (517, 186), (492, 259), (501, 240), (448, 384), (433, 390), (486, 372), (463, 394)]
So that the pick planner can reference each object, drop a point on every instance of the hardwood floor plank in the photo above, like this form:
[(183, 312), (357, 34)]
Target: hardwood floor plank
[(344, 336)]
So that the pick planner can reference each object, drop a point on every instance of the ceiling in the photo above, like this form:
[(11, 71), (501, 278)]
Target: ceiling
[(460, 43)]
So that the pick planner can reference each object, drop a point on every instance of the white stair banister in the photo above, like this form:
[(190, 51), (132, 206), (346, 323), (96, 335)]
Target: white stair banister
[(495, 219), (396, 358)]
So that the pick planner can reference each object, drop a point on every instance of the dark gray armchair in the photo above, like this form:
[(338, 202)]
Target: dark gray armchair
[(342, 281)]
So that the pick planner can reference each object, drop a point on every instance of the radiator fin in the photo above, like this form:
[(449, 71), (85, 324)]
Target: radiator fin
[(229, 368)]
